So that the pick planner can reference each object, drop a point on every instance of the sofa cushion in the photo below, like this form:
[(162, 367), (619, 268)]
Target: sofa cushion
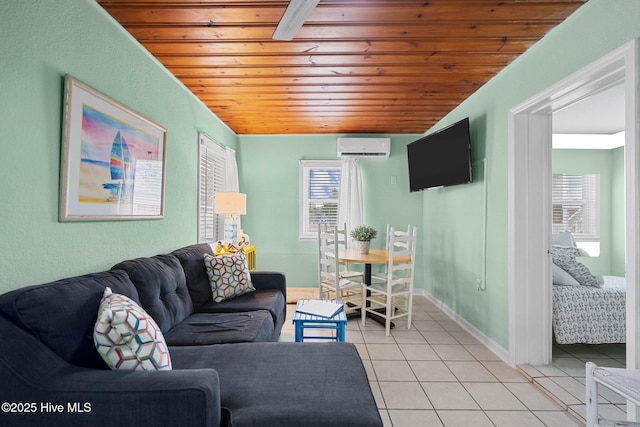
[(127, 337), (228, 275), (195, 272), (62, 313), (217, 328), (269, 300), (279, 384), (162, 288)]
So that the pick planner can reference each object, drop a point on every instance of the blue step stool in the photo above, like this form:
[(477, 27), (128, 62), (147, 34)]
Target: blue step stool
[(304, 321)]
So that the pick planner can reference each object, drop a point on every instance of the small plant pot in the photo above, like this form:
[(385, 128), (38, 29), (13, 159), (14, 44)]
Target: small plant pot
[(363, 247)]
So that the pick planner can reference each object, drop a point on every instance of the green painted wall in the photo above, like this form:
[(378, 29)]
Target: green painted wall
[(595, 29), (269, 174), (41, 42), (604, 163), (618, 240)]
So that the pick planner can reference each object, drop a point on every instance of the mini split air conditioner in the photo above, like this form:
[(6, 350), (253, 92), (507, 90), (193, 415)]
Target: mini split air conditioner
[(364, 147)]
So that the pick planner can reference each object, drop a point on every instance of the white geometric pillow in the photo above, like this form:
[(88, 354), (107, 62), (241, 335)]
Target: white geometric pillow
[(228, 275), (127, 337)]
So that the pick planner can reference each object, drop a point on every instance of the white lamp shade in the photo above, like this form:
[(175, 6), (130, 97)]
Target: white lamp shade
[(230, 203)]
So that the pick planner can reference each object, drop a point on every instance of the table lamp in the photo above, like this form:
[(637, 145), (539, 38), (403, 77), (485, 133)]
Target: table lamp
[(232, 205)]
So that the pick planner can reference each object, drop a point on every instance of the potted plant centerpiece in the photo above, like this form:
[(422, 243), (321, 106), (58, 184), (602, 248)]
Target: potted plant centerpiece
[(363, 235)]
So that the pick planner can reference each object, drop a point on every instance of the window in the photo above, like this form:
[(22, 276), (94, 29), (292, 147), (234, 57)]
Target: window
[(319, 189), (576, 207), (211, 178)]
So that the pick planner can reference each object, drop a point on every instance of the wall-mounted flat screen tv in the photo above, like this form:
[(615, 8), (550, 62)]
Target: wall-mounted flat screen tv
[(441, 159)]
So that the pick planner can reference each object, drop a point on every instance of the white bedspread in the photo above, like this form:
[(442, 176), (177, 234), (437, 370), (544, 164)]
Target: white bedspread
[(584, 314)]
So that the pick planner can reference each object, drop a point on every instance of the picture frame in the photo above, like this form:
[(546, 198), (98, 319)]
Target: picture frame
[(113, 159)]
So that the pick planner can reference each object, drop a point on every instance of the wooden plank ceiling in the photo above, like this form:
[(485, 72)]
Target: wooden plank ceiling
[(356, 66)]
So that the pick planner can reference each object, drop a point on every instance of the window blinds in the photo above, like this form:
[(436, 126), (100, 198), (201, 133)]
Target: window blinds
[(211, 178), (320, 193), (576, 205)]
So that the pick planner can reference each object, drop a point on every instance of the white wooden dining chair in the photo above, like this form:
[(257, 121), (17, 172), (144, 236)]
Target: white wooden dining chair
[(394, 298), (381, 277), (332, 285), (343, 242), (624, 382)]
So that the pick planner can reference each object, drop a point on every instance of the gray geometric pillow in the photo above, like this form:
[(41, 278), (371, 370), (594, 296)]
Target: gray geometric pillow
[(565, 258), (229, 275)]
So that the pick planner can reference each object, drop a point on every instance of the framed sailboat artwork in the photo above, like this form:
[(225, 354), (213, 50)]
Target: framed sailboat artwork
[(113, 159)]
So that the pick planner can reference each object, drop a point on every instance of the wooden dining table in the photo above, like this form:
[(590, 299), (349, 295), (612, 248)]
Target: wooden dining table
[(375, 256)]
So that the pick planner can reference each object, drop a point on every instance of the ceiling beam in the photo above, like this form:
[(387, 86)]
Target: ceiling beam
[(293, 18)]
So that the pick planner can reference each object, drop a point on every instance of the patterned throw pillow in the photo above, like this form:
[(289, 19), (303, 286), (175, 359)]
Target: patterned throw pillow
[(127, 337), (228, 275), (565, 258)]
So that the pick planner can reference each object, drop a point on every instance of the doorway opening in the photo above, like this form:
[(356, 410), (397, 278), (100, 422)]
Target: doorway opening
[(530, 222)]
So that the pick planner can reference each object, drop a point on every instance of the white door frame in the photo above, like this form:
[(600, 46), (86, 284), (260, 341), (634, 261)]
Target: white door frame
[(529, 229)]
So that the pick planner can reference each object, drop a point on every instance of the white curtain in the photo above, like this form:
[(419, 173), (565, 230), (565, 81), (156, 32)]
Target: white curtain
[(350, 202), (231, 170)]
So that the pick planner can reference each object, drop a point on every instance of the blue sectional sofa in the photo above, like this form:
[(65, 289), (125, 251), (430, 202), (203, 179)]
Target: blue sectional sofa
[(228, 368)]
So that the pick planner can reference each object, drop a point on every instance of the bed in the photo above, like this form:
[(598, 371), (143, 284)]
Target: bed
[(588, 314)]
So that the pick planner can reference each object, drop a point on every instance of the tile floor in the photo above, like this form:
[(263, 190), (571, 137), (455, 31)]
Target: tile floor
[(564, 379), (436, 374)]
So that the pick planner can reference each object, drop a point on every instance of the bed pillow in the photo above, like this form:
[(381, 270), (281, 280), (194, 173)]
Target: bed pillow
[(561, 277), (565, 258), (228, 275), (563, 239)]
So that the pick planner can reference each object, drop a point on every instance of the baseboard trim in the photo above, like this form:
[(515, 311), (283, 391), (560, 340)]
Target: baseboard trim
[(294, 294), (494, 347)]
